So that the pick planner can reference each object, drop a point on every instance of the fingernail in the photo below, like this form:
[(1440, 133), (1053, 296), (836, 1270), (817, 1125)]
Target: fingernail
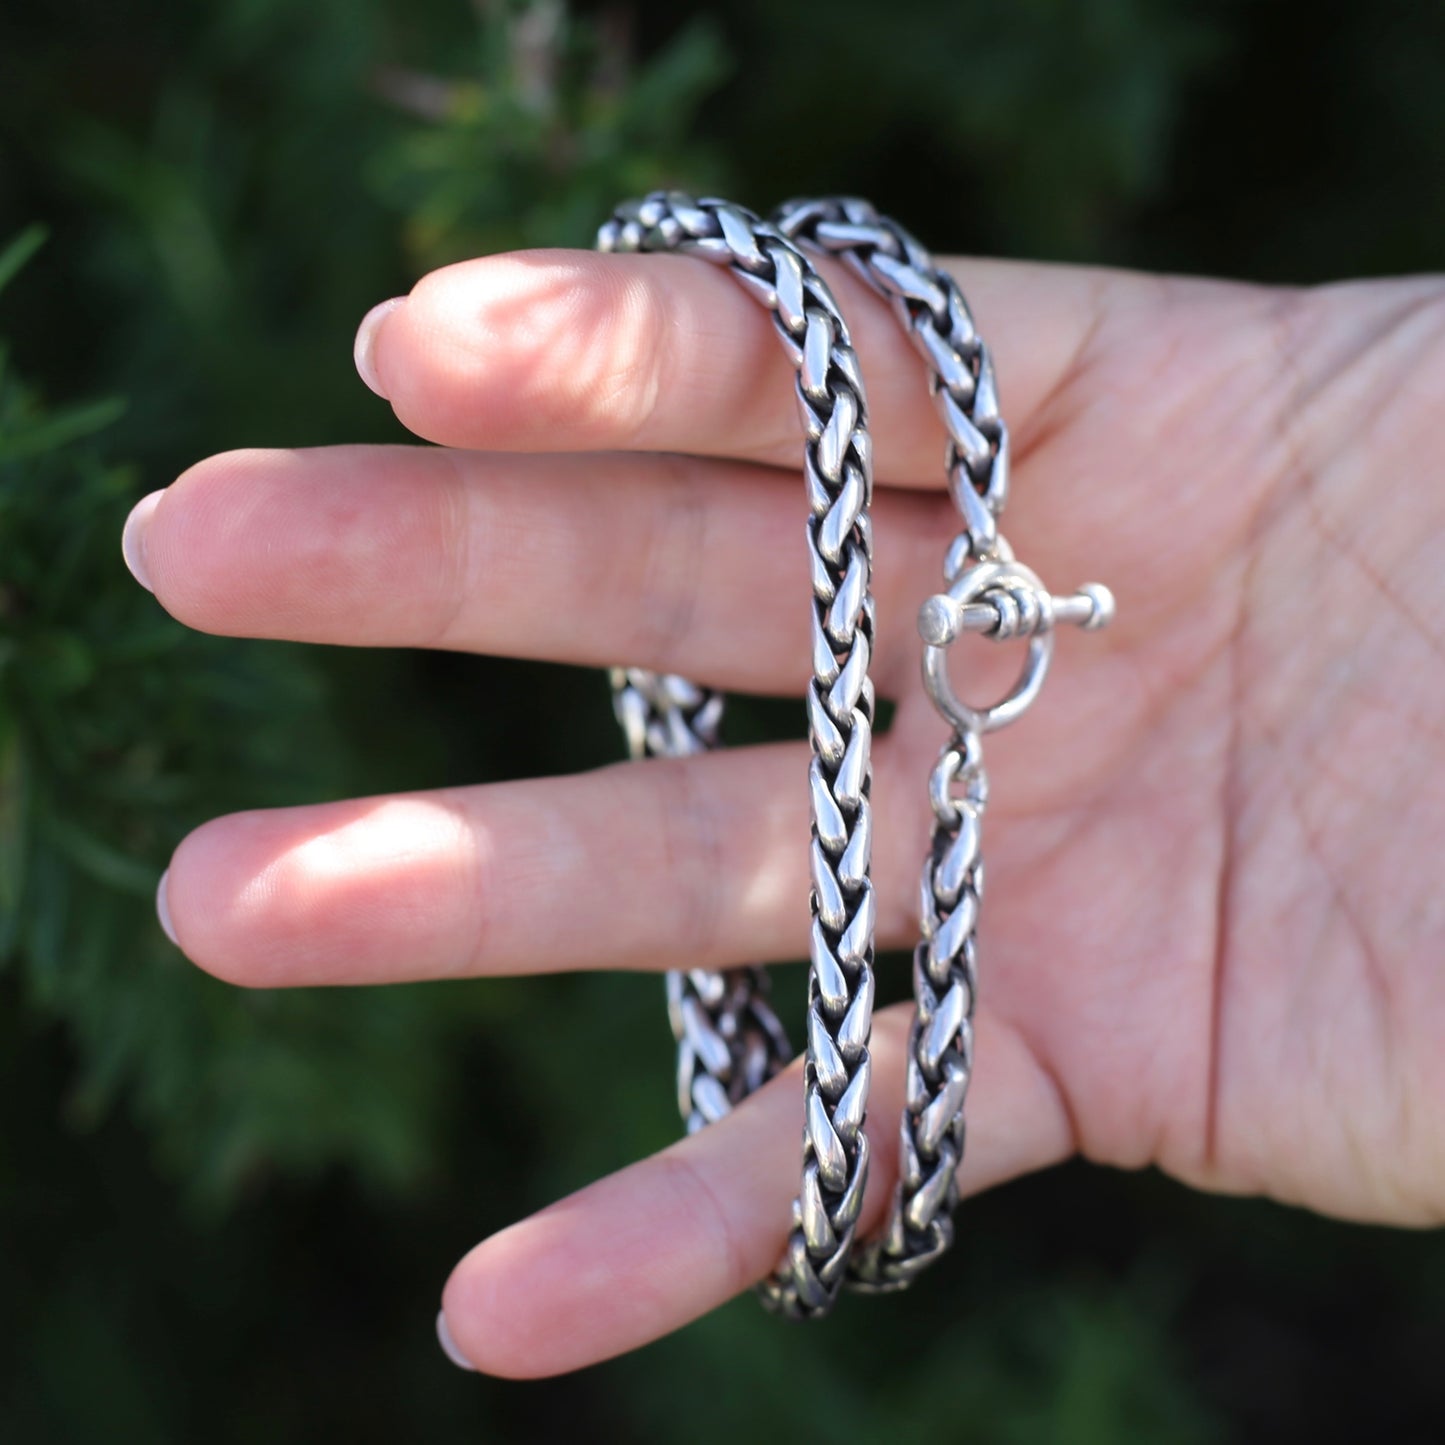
[(133, 538), (366, 342), (163, 909), (449, 1345)]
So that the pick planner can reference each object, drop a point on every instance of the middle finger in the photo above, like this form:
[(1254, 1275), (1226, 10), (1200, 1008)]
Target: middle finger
[(678, 564)]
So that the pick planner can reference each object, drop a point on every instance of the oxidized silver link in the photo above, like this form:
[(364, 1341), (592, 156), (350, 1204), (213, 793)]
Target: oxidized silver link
[(989, 593), (931, 308), (940, 1039), (728, 1040)]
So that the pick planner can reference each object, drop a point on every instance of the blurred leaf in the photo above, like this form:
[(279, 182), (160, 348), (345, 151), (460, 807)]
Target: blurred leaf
[(18, 252), (12, 828), (58, 429)]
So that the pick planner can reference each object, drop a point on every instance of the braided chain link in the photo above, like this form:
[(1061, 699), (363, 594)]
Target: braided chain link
[(932, 311), (729, 1040), (727, 1036)]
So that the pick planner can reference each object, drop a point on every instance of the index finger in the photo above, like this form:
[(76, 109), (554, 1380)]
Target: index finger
[(571, 350)]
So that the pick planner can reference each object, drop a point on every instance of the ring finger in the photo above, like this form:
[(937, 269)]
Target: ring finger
[(673, 863)]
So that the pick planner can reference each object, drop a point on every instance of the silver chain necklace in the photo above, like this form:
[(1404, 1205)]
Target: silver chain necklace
[(729, 1040)]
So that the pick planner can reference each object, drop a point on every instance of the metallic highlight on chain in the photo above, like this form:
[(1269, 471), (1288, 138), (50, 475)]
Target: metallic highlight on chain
[(988, 593), (729, 1041)]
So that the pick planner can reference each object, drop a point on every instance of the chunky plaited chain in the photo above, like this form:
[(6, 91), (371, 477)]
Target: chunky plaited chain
[(727, 1037), (729, 1040), (931, 308), (722, 1038), (988, 593)]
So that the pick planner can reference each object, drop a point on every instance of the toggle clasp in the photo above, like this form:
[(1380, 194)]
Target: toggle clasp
[(1001, 599)]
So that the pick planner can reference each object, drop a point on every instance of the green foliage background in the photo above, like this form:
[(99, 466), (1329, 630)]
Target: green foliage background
[(227, 1215)]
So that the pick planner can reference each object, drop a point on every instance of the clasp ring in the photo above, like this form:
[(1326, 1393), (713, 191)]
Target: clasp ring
[(1000, 598), (942, 619)]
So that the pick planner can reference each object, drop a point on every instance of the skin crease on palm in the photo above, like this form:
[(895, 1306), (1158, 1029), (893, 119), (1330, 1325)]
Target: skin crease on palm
[(1213, 934)]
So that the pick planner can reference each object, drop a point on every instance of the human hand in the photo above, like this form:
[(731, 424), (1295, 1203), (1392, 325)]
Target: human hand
[(1212, 938)]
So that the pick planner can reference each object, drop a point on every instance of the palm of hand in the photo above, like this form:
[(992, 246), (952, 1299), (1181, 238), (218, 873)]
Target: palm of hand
[(1210, 878), (1209, 930)]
